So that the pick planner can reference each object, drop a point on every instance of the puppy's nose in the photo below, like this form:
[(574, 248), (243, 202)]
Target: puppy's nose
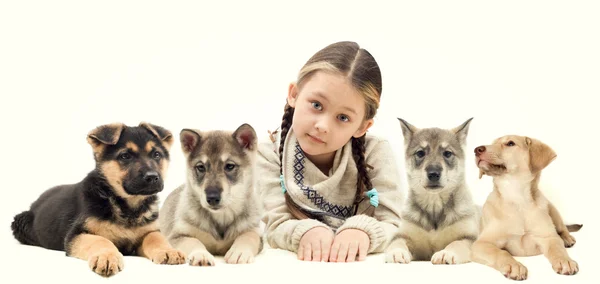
[(213, 196), (151, 177), (479, 150), (433, 175), (434, 172)]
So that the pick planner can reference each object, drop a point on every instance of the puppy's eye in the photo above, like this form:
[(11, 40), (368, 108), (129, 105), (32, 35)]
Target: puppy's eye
[(447, 154), (200, 168), (229, 167), (124, 156), (510, 143), (420, 154), (157, 155)]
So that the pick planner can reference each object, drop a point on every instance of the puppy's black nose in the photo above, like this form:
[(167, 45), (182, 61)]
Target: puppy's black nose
[(151, 177), (433, 175), (434, 172), (479, 150), (213, 196)]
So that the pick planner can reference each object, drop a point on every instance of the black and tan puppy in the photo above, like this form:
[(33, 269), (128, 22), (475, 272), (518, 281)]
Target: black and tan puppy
[(113, 211)]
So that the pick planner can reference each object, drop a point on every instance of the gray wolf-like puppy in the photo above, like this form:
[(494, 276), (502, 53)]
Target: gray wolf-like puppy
[(216, 212), (440, 221)]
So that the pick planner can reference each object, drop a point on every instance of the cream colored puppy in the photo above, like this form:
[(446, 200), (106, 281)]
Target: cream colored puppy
[(517, 219)]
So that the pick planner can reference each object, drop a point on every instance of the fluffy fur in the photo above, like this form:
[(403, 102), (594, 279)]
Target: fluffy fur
[(216, 212), (440, 220)]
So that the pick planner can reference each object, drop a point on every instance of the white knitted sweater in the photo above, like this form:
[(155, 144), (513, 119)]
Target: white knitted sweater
[(331, 195)]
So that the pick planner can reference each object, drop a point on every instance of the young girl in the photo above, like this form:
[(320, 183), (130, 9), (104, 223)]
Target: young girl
[(331, 193)]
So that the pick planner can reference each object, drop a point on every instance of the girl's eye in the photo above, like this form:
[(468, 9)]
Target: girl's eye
[(343, 118), (317, 105)]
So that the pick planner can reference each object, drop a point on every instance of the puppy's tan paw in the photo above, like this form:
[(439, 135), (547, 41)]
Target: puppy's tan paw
[(514, 271), (448, 257), (565, 266), (201, 258), (398, 255), (168, 256), (236, 255), (568, 239), (106, 263)]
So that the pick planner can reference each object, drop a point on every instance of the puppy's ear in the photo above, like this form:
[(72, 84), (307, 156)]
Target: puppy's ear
[(540, 154), (246, 137), (104, 135), (107, 134), (189, 140), (462, 130), (159, 132), (407, 130)]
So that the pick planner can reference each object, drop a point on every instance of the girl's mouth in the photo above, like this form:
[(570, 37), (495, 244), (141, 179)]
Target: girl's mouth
[(315, 139)]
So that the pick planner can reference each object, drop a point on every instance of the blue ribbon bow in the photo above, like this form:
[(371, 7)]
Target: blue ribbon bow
[(283, 190), (373, 197)]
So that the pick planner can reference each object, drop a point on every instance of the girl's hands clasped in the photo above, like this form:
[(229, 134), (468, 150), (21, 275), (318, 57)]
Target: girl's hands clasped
[(348, 244), (320, 244), (315, 244)]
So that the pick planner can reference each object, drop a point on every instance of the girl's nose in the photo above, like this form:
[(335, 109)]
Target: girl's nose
[(322, 125)]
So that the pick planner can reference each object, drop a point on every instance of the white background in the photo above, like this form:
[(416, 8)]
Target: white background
[(517, 67)]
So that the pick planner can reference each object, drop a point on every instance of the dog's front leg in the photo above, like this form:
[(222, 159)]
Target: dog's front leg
[(560, 226), (244, 248), (197, 254), (102, 255), (456, 252), (156, 248), (485, 252), (555, 251), (398, 252)]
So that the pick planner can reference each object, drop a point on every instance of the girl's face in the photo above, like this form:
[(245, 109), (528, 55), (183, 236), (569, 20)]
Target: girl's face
[(328, 112)]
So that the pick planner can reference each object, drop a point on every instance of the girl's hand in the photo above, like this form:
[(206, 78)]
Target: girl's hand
[(315, 244), (348, 244)]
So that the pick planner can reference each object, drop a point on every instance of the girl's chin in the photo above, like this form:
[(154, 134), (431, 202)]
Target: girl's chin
[(310, 150)]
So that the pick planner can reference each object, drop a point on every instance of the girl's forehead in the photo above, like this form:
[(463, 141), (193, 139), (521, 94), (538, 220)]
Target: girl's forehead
[(328, 79), (332, 87)]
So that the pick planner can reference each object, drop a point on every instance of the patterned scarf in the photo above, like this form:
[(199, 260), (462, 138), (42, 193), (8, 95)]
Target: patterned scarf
[(328, 198)]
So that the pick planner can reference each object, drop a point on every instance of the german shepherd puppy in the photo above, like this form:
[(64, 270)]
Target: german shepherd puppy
[(113, 211), (216, 212), (440, 220)]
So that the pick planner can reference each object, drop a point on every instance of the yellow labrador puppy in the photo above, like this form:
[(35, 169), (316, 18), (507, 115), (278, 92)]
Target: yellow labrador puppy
[(517, 219)]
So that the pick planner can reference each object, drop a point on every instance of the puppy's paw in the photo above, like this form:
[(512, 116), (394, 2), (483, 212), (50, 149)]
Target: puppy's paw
[(398, 255), (568, 239), (106, 263), (239, 255), (201, 258), (565, 266), (448, 257), (514, 270), (168, 256)]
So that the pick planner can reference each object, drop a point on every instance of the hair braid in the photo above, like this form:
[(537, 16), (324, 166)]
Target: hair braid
[(363, 183)]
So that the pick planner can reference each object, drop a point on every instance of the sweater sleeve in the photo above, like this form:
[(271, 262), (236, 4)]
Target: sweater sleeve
[(282, 229), (384, 176)]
